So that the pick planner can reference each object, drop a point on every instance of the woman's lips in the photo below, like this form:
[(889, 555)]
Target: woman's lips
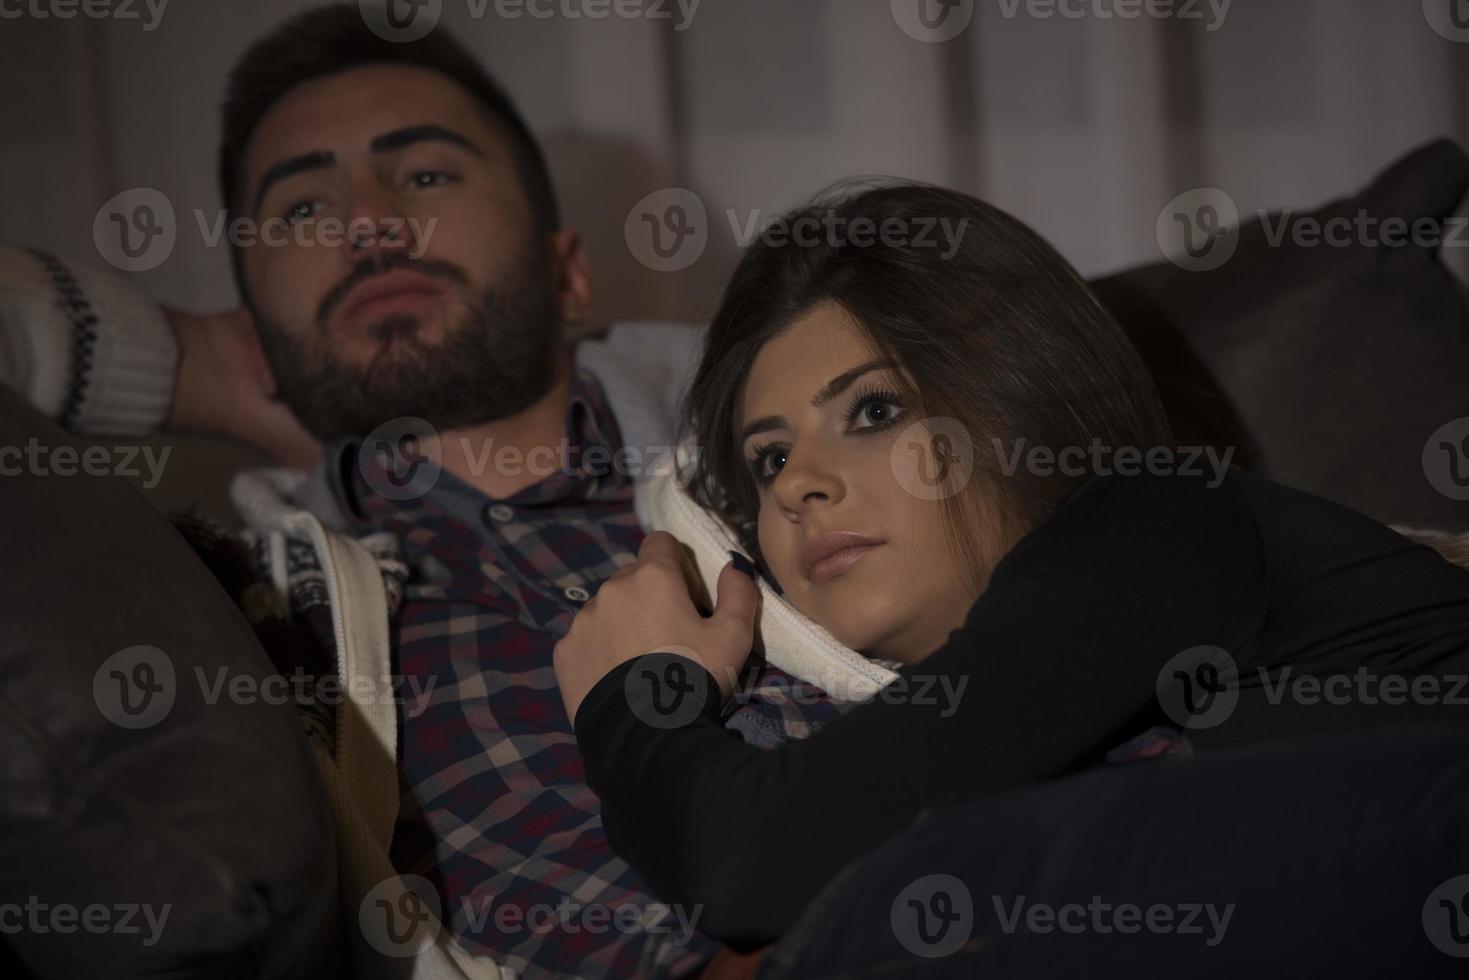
[(837, 563), (826, 556)]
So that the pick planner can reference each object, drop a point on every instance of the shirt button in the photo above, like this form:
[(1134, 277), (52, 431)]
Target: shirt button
[(499, 512), (577, 594)]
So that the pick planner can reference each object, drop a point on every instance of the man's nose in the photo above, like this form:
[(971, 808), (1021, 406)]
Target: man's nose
[(375, 227)]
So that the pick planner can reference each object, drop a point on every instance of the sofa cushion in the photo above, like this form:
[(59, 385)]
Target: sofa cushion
[(144, 831), (1332, 366)]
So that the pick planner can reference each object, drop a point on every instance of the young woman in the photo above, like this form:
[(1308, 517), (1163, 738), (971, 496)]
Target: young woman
[(951, 457)]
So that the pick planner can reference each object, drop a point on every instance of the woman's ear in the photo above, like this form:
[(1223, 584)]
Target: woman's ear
[(573, 277)]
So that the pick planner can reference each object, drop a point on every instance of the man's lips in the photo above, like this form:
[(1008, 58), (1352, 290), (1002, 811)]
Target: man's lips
[(826, 556), (389, 292)]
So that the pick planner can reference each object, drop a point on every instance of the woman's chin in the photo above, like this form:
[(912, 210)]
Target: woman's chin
[(861, 619), (880, 633), (867, 636)]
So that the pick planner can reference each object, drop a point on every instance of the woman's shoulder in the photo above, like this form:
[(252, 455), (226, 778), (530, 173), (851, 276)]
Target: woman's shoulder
[(1179, 525), (1161, 501), (1301, 554), (1286, 523), (1172, 557), (1315, 540)]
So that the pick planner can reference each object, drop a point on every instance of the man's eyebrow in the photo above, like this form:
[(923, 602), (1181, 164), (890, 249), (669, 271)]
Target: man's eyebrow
[(291, 166), (386, 143), (828, 391), (428, 132)]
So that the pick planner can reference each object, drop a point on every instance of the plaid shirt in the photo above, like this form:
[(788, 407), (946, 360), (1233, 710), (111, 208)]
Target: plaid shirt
[(495, 807)]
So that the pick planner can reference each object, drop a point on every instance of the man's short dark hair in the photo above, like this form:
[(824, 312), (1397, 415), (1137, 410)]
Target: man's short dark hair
[(332, 39)]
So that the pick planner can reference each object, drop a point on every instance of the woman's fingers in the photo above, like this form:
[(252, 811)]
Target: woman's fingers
[(737, 607), (660, 546), (698, 591)]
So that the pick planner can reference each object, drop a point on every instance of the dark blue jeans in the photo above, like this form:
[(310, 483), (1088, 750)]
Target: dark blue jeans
[(1330, 857)]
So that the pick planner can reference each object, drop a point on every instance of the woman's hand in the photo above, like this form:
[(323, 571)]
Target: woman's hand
[(648, 606)]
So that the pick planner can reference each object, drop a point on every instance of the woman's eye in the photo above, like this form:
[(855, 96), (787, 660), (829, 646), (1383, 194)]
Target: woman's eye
[(876, 412), (764, 463)]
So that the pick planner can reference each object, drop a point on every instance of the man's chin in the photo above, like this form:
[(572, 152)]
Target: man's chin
[(451, 365), (423, 330), (392, 343)]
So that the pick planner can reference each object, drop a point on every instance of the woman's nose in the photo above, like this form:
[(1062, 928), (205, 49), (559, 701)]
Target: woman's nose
[(808, 479)]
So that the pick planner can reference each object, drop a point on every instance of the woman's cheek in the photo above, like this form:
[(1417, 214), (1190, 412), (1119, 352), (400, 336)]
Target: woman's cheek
[(778, 545)]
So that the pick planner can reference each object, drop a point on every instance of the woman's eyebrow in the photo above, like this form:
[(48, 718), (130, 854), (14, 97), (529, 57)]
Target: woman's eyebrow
[(828, 391), (844, 381), (763, 424)]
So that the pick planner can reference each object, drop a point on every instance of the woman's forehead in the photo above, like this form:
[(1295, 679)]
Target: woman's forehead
[(797, 362)]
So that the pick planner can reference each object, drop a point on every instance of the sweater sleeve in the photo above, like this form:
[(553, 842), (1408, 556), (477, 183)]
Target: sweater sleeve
[(1058, 661), (85, 347)]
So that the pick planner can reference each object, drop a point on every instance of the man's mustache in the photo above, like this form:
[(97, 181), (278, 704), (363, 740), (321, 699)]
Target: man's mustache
[(434, 268)]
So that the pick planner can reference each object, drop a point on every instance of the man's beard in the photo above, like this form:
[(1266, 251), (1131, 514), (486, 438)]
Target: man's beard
[(499, 359)]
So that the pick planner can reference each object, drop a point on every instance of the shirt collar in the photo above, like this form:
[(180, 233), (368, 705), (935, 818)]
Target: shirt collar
[(582, 469)]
